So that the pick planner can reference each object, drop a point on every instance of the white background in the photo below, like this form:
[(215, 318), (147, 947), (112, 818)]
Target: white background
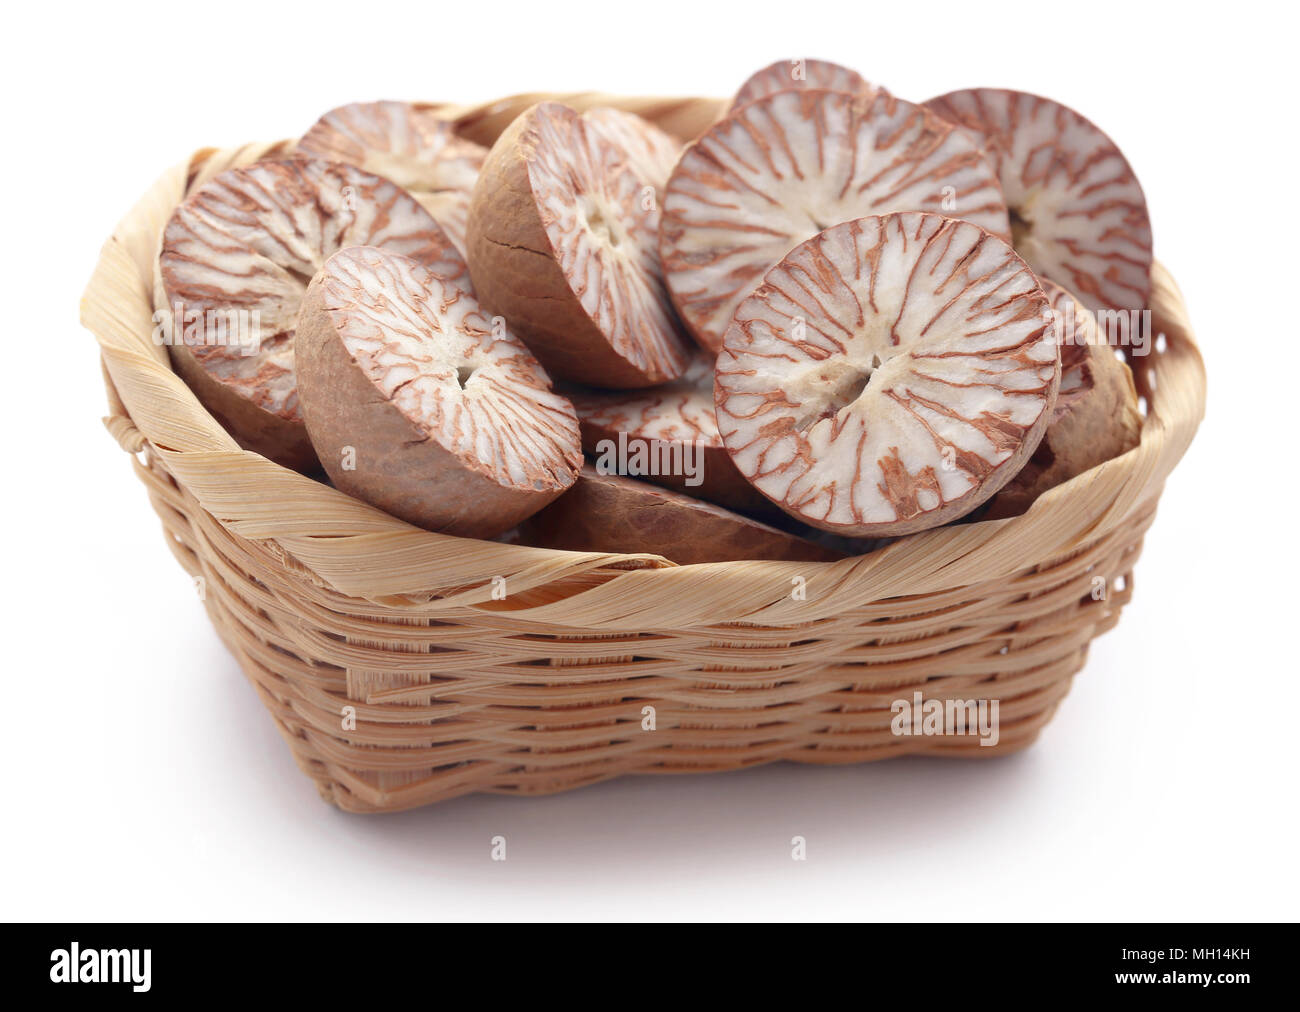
[(144, 780)]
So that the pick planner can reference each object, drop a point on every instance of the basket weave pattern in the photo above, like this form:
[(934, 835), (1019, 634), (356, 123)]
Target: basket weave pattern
[(399, 674)]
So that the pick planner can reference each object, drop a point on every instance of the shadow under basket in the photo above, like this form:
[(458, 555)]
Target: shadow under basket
[(405, 667)]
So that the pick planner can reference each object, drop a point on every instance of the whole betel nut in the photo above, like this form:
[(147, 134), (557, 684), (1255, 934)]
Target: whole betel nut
[(889, 375)]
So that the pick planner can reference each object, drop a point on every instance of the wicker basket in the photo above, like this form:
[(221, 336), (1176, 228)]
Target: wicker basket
[(399, 678)]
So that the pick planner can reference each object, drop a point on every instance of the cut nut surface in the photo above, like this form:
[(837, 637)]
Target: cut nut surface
[(247, 243), (562, 244), (651, 153), (408, 145), (783, 168), (1078, 213), (1096, 414), (417, 404), (787, 75), (608, 513), (889, 375), (669, 434)]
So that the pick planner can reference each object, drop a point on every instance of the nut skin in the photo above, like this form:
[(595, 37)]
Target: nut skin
[(517, 275), (608, 513), (398, 468)]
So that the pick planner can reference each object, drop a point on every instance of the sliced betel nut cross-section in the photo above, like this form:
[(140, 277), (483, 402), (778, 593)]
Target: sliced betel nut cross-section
[(419, 404), (889, 375), (786, 167), (409, 145), (562, 241), (236, 258), (788, 75), (1078, 215)]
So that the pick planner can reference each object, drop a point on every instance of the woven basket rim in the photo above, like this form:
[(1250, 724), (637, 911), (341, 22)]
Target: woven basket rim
[(353, 550)]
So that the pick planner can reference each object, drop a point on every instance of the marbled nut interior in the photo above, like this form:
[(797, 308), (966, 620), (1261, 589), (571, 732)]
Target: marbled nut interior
[(678, 411), (649, 152), (888, 375), (785, 75), (603, 235), (252, 238), (1078, 213), (783, 168), (408, 145)]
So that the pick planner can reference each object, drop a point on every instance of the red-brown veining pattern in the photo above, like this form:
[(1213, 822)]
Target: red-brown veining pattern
[(649, 152), (782, 168), (425, 344), (603, 233), (678, 411), (409, 146), (968, 370), (787, 75), (1086, 222), (252, 238)]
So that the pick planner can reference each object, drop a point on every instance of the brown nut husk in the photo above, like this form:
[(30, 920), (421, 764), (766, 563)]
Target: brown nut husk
[(244, 246), (1078, 214), (1096, 416), (418, 405), (889, 375), (409, 145), (608, 513), (562, 244), (667, 435)]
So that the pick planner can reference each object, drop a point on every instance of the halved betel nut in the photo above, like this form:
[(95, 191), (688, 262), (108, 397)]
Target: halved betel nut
[(419, 404), (236, 258), (1078, 214), (889, 375), (562, 244), (783, 168)]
